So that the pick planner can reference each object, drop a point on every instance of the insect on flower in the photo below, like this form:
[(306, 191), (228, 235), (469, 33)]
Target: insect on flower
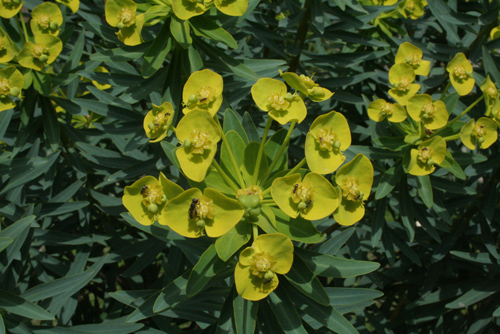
[(192, 208), (268, 280), (143, 189), (296, 185)]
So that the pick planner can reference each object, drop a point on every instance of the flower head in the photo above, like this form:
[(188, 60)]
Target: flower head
[(11, 84), (355, 180), (490, 92), (7, 50), (122, 14), (271, 95), (412, 55), (412, 8), (158, 121), (306, 86), (482, 133), (495, 33), (9, 8), (380, 109), (313, 198), (255, 275), (199, 135), (428, 154), (40, 54), (146, 198), (401, 77), (46, 19), (186, 9), (203, 90), (328, 137), (193, 213), (460, 71), (432, 113)]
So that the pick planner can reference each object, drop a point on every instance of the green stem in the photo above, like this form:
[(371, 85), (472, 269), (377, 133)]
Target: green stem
[(255, 230), (301, 35), (226, 178), (445, 90), (267, 201), (450, 138), (21, 17), (261, 150), (297, 167), (171, 127), (284, 145), (231, 156)]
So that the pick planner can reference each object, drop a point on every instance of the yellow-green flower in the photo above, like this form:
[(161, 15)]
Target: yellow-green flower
[(9, 8), (186, 9), (158, 121), (482, 133), (461, 74), (401, 77), (412, 55), (355, 180), (146, 198), (380, 2), (490, 92), (271, 95), (40, 54), (428, 154), (432, 113), (71, 4), (314, 197), (203, 90), (199, 135), (122, 14), (328, 137), (46, 19), (412, 8), (306, 86), (11, 83), (495, 33), (380, 109), (255, 275), (7, 51), (192, 214)]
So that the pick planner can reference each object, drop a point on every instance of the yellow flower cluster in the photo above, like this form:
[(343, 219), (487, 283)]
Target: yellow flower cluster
[(242, 192)]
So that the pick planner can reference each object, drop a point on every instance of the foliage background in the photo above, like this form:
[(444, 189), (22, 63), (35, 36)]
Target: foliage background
[(62, 175)]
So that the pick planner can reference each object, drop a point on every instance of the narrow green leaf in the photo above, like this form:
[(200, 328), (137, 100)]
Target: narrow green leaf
[(333, 245), (330, 266), (483, 258), (232, 241), (206, 268), (389, 180), (406, 210), (225, 323), (21, 306), (424, 188), (124, 53), (306, 282), (205, 27), (180, 29), (156, 54), (347, 296), (245, 314), (232, 122), (452, 166), (42, 82), (476, 294), (5, 242), (285, 312), (297, 229)]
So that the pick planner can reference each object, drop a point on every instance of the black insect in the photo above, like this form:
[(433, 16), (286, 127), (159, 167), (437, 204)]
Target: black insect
[(308, 203), (143, 189), (295, 186), (192, 208), (267, 281), (203, 99), (357, 197)]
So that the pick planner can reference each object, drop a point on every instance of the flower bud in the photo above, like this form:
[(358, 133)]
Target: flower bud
[(43, 58), (200, 223), (302, 205), (337, 144), (289, 96), (430, 162), (192, 99), (120, 25), (14, 91), (480, 140), (151, 125), (187, 142), (268, 275), (254, 201), (53, 26), (153, 208), (244, 200), (254, 212)]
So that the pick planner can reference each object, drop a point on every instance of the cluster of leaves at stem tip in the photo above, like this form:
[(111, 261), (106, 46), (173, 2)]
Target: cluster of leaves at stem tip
[(245, 189), (428, 129)]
